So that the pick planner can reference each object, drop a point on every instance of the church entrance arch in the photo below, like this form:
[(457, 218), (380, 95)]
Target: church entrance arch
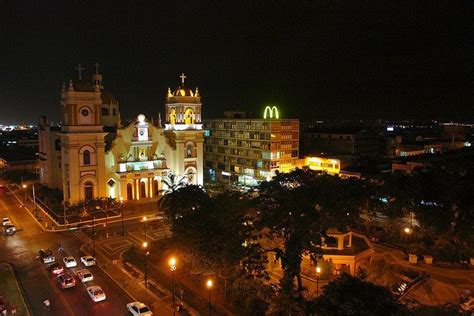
[(142, 189), (129, 191), (88, 190)]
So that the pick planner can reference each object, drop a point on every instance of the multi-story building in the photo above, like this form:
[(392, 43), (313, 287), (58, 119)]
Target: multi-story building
[(358, 142), (250, 150)]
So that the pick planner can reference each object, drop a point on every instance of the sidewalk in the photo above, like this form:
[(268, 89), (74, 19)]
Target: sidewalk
[(10, 290)]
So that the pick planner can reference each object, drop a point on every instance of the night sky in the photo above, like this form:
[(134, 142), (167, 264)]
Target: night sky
[(330, 59)]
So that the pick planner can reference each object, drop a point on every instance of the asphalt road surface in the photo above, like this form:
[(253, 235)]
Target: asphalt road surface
[(36, 280)]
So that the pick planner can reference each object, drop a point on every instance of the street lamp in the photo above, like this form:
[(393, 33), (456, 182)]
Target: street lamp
[(145, 246), (209, 285), (318, 272), (172, 264), (121, 213), (24, 189)]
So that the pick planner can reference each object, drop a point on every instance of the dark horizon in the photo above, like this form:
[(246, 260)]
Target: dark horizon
[(314, 59)]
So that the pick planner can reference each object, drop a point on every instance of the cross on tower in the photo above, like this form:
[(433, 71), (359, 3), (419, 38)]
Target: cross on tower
[(96, 65), (182, 78), (80, 69)]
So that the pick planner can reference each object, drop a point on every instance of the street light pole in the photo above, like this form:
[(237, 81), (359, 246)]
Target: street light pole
[(24, 189), (34, 195), (106, 220), (93, 236), (121, 213), (318, 271), (209, 285), (144, 221), (172, 264), (145, 245)]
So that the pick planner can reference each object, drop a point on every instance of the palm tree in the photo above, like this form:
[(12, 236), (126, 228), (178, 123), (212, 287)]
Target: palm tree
[(179, 196)]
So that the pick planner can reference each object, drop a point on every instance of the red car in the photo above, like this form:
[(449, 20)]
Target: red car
[(57, 268)]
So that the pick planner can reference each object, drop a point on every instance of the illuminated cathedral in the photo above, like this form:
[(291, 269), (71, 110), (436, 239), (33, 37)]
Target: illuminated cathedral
[(92, 155)]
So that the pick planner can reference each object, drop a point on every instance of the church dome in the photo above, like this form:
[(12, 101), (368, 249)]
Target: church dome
[(183, 92)]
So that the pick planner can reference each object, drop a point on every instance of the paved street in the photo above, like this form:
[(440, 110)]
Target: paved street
[(21, 250)]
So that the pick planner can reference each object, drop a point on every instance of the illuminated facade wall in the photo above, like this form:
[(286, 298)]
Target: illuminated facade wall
[(250, 150), (86, 162), (331, 166)]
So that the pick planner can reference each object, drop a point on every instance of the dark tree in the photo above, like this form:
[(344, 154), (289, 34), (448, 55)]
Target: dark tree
[(347, 295), (297, 208)]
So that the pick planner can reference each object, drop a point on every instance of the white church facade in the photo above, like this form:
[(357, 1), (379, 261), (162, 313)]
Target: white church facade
[(92, 155)]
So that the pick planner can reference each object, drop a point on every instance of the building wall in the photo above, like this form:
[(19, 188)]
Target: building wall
[(362, 143), (250, 149)]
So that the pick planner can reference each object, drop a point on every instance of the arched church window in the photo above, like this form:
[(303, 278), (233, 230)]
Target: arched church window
[(189, 116), (88, 190), (105, 111), (86, 156), (172, 116)]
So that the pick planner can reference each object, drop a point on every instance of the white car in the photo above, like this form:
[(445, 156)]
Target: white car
[(88, 261), (84, 275), (70, 262), (96, 293), (138, 309), (6, 221)]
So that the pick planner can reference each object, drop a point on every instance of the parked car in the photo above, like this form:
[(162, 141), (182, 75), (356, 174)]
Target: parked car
[(56, 268), (6, 221), (88, 261), (66, 280), (9, 230), (84, 275), (70, 262), (47, 255), (96, 293), (139, 309)]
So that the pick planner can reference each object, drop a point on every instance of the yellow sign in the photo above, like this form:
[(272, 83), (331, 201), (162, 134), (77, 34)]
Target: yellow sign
[(271, 112)]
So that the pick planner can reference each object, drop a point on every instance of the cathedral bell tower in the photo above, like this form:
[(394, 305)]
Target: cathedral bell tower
[(82, 139), (183, 129), (183, 108)]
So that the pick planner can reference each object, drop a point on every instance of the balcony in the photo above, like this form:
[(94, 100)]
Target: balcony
[(133, 166)]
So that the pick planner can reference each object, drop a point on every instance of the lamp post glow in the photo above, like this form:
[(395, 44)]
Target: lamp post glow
[(172, 264), (24, 189), (407, 230), (209, 285), (318, 272), (145, 246)]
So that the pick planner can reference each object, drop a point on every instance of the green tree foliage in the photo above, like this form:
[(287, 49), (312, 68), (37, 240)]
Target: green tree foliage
[(347, 295)]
